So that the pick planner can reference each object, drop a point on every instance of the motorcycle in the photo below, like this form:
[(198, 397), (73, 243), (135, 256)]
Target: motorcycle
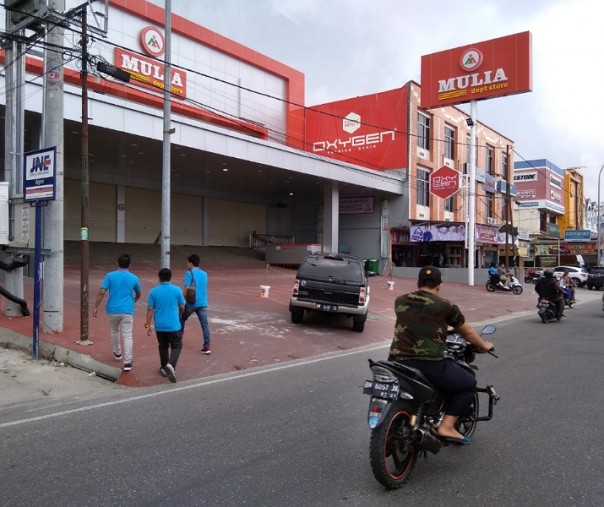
[(548, 311), (405, 410), (514, 286)]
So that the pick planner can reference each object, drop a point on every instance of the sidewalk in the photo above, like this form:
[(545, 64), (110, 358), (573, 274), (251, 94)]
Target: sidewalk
[(248, 330)]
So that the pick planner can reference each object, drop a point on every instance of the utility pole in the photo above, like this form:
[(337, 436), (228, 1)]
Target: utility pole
[(166, 180), (85, 190), (510, 213), (13, 152), (52, 293)]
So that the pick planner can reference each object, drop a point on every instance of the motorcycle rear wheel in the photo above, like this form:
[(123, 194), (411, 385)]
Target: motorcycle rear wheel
[(392, 452), (490, 287)]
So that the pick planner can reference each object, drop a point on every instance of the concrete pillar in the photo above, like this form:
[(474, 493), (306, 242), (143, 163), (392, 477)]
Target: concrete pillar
[(331, 217)]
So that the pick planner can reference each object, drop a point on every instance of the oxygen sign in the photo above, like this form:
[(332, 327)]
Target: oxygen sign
[(444, 182)]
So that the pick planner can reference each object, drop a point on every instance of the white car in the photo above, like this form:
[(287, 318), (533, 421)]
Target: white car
[(577, 275)]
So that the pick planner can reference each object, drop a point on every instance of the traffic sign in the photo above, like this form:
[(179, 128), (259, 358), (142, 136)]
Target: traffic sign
[(444, 182)]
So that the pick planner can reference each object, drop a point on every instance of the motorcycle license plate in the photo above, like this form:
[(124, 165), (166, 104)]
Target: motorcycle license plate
[(388, 391), (327, 308)]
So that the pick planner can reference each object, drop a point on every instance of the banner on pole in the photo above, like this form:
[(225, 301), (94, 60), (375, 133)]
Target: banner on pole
[(39, 174)]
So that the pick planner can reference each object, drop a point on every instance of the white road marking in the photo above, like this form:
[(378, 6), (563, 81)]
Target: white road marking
[(261, 371)]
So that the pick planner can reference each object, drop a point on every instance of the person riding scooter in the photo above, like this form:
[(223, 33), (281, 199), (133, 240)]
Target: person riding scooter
[(568, 288), (495, 277), (548, 288)]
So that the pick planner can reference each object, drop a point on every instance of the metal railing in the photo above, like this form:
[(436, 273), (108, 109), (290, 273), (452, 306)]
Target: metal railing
[(259, 241)]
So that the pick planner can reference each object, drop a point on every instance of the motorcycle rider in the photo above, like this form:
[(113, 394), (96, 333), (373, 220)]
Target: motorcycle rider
[(547, 287), (422, 320), (568, 287), (503, 276)]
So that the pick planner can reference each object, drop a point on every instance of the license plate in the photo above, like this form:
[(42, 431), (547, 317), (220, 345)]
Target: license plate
[(327, 308), (388, 391)]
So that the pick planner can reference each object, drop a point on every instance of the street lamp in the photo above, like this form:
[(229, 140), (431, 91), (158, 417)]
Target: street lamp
[(599, 219)]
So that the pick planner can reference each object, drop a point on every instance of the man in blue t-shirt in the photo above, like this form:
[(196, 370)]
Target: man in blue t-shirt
[(124, 291), (165, 306), (198, 279)]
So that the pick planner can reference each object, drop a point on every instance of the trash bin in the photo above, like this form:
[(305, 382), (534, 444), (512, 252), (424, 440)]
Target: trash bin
[(372, 266)]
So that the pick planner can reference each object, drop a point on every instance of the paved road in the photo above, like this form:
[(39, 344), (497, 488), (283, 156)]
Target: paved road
[(296, 434)]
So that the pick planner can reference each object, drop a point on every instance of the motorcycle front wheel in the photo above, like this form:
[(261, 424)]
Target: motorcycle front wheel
[(517, 289), (392, 452)]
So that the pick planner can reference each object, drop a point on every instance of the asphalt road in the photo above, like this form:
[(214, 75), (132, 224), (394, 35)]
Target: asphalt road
[(296, 435)]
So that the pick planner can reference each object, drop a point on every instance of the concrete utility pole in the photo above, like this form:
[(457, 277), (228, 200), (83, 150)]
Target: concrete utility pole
[(472, 197), (13, 152), (52, 293), (166, 180)]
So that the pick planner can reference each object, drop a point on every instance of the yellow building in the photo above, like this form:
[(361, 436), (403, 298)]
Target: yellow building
[(573, 217)]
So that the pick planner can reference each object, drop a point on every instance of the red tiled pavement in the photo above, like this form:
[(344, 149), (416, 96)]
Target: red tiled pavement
[(248, 330)]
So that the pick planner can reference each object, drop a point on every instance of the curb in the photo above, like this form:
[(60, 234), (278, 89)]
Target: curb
[(11, 339)]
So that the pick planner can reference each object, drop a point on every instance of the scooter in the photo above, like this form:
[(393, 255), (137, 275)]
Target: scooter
[(513, 286), (548, 311)]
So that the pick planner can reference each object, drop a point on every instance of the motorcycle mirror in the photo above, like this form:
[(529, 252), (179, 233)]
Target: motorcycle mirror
[(490, 329)]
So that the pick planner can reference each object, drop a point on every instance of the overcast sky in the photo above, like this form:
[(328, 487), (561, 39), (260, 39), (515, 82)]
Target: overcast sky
[(347, 48)]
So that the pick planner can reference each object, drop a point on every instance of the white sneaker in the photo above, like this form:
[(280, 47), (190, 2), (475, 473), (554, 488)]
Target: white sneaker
[(171, 373)]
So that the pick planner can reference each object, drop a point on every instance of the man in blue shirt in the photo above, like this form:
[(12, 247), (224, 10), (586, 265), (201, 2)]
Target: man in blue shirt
[(124, 291), (165, 306), (197, 278)]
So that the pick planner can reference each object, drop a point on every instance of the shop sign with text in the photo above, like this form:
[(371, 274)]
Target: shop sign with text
[(483, 70), (365, 131), (149, 73)]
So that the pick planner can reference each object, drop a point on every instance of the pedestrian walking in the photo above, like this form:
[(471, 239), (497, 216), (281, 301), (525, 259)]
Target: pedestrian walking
[(196, 280), (124, 291), (165, 305)]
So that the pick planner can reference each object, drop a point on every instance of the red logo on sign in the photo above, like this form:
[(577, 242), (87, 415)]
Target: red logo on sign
[(444, 182)]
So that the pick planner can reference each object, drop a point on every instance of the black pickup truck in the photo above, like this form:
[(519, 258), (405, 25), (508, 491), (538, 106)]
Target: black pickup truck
[(331, 284), (595, 278)]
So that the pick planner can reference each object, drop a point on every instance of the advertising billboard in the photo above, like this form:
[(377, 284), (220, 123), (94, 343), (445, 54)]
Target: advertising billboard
[(483, 70), (369, 131)]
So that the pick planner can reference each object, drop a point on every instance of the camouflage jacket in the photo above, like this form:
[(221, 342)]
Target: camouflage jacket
[(422, 320)]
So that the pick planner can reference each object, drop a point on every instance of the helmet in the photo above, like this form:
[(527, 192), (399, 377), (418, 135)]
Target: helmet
[(548, 273)]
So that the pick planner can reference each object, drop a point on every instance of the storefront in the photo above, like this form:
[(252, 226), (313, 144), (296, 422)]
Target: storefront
[(437, 244)]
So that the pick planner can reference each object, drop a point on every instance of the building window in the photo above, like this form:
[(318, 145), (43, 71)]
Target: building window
[(423, 187), (450, 204), (543, 223), (504, 209), (423, 131), (489, 199), (490, 162), (504, 166), (449, 142)]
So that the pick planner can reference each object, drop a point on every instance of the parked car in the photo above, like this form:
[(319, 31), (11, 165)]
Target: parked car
[(331, 283), (595, 278), (577, 275)]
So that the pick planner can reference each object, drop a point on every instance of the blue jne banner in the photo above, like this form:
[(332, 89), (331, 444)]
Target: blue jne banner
[(39, 174)]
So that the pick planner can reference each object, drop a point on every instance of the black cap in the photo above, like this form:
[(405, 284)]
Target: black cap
[(430, 274)]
